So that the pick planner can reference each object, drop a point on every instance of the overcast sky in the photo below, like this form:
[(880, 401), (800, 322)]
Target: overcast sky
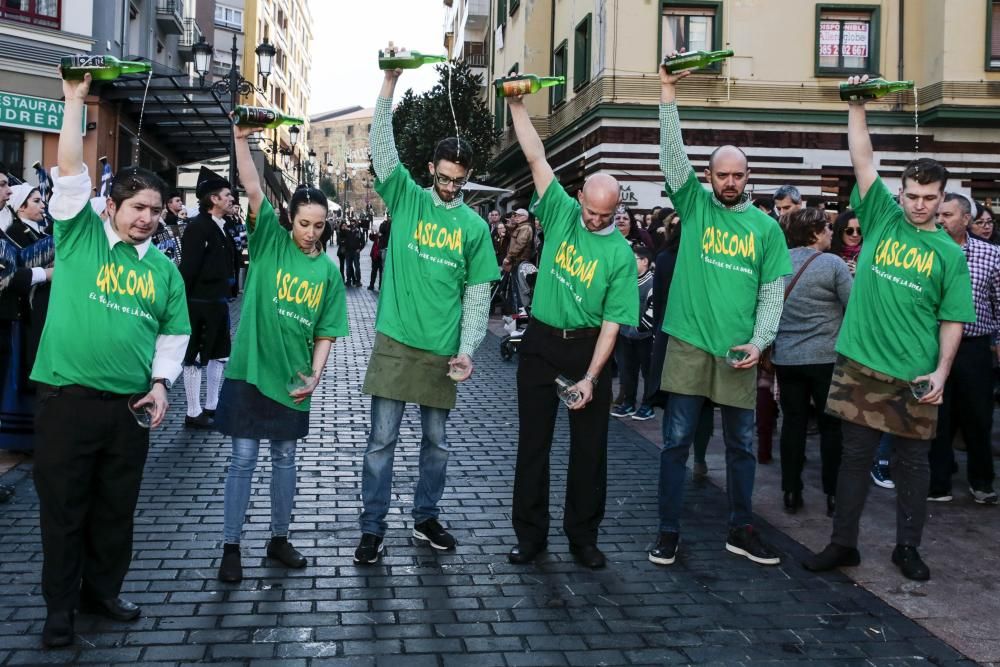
[(347, 36)]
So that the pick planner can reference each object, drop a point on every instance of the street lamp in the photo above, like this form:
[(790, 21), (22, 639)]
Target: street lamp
[(233, 85)]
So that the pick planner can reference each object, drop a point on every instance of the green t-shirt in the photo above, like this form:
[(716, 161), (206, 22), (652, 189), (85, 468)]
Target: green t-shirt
[(583, 278), (291, 299), (908, 280), (724, 258), (434, 252), (106, 309)]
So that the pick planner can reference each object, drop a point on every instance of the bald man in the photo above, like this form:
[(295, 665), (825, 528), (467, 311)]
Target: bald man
[(721, 314), (585, 290)]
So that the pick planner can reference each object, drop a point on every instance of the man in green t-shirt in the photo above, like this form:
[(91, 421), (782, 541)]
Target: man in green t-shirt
[(432, 314), (722, 313), (585, 290), (114, 339), (901, 330)]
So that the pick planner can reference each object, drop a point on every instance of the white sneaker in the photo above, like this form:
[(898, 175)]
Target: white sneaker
[(984, 497)]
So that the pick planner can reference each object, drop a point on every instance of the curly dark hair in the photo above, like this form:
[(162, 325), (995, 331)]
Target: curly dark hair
[(804, 227)]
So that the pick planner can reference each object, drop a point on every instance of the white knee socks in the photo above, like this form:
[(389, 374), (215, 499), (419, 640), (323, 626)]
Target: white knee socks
[(192, 390), (214, 379)]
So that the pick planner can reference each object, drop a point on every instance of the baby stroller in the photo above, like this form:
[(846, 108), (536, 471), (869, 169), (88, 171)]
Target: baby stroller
[(515, 325)]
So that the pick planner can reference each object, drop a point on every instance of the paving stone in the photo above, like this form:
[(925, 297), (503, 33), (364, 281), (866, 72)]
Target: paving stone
[(422, 607)]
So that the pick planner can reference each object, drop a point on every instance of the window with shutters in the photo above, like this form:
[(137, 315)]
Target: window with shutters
[(993, 36), (558, 93), (847, 40), (581, 53)]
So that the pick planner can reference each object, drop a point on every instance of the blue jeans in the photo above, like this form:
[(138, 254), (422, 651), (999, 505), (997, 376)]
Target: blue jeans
[(679, 428), (376, 480), (240, 476)]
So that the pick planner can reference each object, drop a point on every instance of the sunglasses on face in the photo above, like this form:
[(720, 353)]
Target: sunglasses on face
[(445, 181), (852, 231)]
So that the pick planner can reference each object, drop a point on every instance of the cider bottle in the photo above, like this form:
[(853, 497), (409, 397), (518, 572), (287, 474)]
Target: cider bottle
[(872, 89), (262, 117), (101, 68), (694, 60), (525, 84), (392, 58)]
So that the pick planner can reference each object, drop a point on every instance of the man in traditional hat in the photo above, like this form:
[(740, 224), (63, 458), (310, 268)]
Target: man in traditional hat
[(207, 268), (175, 203)]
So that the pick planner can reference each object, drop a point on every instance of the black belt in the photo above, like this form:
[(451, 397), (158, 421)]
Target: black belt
[(84, 392), (565, 334)]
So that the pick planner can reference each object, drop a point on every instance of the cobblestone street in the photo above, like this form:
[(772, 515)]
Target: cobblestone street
[(422, 607)]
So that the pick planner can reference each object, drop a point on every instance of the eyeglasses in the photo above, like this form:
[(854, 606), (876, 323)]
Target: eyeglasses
[(445, 181), (982, 223), (852, 231)]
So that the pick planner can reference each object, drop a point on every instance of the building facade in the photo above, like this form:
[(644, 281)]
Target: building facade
[(340, 139), (120, 126), (776, 98)]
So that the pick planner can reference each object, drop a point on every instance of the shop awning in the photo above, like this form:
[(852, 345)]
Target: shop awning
[(186, 119)]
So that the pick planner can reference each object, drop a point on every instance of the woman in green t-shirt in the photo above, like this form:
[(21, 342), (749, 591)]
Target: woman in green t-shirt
[(293, 310)]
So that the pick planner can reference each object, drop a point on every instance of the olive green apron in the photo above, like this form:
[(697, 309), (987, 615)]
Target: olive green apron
[(404, 373), (690, 370)]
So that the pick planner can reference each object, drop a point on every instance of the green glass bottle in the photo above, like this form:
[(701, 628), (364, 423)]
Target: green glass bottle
[(525, 84), (694, 60), (101, 68), (262, 117), (406, 59), (872, 89)]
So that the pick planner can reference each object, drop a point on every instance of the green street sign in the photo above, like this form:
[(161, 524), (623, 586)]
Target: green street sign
[(33, 113)]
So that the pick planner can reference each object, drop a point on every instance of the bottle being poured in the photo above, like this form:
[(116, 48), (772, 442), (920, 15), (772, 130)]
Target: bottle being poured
[(393, 57), (100, 68)]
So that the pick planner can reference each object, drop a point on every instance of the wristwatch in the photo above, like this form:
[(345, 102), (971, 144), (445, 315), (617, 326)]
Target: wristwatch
[(163, 381), (591, 378)]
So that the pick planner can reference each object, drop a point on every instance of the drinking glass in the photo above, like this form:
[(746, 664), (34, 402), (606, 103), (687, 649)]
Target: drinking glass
[(143, 413), (565, 391)]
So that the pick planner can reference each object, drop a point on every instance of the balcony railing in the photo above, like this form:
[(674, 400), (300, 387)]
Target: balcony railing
[(476, 59), (192, 33), (169, 16)]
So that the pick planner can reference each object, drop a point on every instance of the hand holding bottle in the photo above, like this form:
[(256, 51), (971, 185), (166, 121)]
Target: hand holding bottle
[(76, 89), (669, 79), (854, 81), (243, 131)]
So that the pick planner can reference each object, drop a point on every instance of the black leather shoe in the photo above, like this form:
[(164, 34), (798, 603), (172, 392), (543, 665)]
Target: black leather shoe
[(279, 548), (525, 552), (117, 608), (833, 555), (793, 501), (58, 630), (588, 555), (231, 568), (210, 413), (201, 421), (831, 505), (910, 564)]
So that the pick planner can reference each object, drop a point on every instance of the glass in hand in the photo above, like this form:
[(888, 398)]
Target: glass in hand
[(143, 414), (920, 389), (565, 391), (300, 379), (734, 357)]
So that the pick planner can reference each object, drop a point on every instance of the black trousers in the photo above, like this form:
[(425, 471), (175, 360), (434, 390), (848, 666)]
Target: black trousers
[(543, 357), (967, 407), (376, 272), (635, 356), (89, 455), (800, 387)]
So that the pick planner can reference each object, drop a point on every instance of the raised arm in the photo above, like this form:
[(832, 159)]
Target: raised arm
[(860, 143), (531, 146), (673, 158), (385, 157), (70, 152), (249, 177)]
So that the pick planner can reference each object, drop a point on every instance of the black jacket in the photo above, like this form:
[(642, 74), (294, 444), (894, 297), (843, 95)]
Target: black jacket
[(207, 260)]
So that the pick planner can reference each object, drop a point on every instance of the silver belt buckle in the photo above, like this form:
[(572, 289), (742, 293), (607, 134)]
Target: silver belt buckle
[(565, 334)]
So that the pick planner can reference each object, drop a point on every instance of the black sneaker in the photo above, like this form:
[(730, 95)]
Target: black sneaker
[(910, 564), (431, 531), (231, 569), (369, 550), (280, 549), (665, 551), (744, 541), (201, 421)]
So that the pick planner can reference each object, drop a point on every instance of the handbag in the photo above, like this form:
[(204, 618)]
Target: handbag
[(765, 364)]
